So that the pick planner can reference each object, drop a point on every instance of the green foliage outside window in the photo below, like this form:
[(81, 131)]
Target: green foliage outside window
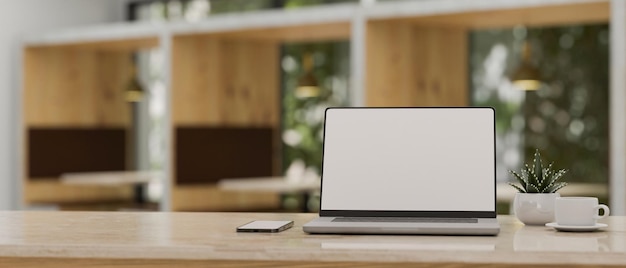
[(567, 118), (303, 117)]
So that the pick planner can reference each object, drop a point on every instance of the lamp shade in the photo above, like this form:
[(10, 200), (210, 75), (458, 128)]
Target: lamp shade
[(134, 92), (307, 84), (526, 76)]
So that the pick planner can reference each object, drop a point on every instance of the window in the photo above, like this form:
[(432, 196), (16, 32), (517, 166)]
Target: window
[(567, 118)]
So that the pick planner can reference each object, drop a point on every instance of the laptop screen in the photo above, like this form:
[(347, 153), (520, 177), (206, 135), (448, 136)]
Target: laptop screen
[(415, 160)]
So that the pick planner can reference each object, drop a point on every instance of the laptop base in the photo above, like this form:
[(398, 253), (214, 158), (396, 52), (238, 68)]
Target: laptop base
[(326, 225)]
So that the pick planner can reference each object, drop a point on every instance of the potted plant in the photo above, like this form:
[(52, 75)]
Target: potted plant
[(534, 203)]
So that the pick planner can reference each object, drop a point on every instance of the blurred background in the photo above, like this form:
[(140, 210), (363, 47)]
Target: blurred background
[(217, 105)]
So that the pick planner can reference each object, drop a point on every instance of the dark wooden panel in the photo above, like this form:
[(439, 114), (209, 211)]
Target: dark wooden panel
[(54, 151), (206, 154)]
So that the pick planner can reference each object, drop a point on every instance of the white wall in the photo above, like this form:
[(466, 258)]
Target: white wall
[(19, 17)]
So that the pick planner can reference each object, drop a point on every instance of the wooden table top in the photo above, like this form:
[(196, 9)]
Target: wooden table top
[(133, 239)]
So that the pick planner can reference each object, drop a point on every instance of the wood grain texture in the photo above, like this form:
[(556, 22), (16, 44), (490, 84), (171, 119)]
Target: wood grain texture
[(390, 67), (225, 82), (409, 65), (73, 87), (302, 33), (196, 80), (251, 89), (441, 66), (64, 87), (115, 263), (115, 44), (53, 191), (541, 16), (207, 197), (145, 239)]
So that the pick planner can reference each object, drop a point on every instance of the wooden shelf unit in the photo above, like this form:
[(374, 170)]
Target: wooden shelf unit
[(223, 72), (75, 91), (220, 82), (231, 80)]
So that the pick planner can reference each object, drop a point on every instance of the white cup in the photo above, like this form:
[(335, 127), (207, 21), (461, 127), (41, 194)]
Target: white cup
[(578, 211)]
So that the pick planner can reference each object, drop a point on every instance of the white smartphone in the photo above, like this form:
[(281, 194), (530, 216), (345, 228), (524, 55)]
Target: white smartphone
[(265, 226)]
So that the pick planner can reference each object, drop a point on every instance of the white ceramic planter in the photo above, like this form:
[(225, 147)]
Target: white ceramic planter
[(534, 209)]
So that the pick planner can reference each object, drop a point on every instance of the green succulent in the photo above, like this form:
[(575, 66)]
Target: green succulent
[(538, 179)]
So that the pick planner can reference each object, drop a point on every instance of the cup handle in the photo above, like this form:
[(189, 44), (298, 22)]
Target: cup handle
[(606, 211)]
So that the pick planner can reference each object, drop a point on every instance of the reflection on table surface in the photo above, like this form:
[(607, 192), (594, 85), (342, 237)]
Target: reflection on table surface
[(435, 246), (527, 239)]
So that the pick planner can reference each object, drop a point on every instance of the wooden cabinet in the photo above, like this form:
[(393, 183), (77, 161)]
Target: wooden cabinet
[(225, 100), (225, 94), (74, 116), (223, 74)]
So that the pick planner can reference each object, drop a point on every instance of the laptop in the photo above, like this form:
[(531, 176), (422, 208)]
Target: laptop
[(421, 170)]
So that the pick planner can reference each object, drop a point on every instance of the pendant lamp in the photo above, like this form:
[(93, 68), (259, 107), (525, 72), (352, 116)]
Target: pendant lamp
[(526, 76)]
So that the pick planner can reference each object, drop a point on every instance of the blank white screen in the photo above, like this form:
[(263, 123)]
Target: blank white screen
[(409, 159)]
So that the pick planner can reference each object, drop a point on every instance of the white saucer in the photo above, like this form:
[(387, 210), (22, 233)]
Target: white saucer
[(573, 228)]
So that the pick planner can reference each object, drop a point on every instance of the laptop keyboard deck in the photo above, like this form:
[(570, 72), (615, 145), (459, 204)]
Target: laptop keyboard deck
[(405, 219)]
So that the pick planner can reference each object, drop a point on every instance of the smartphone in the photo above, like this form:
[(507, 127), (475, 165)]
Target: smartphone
[(265, 226)]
